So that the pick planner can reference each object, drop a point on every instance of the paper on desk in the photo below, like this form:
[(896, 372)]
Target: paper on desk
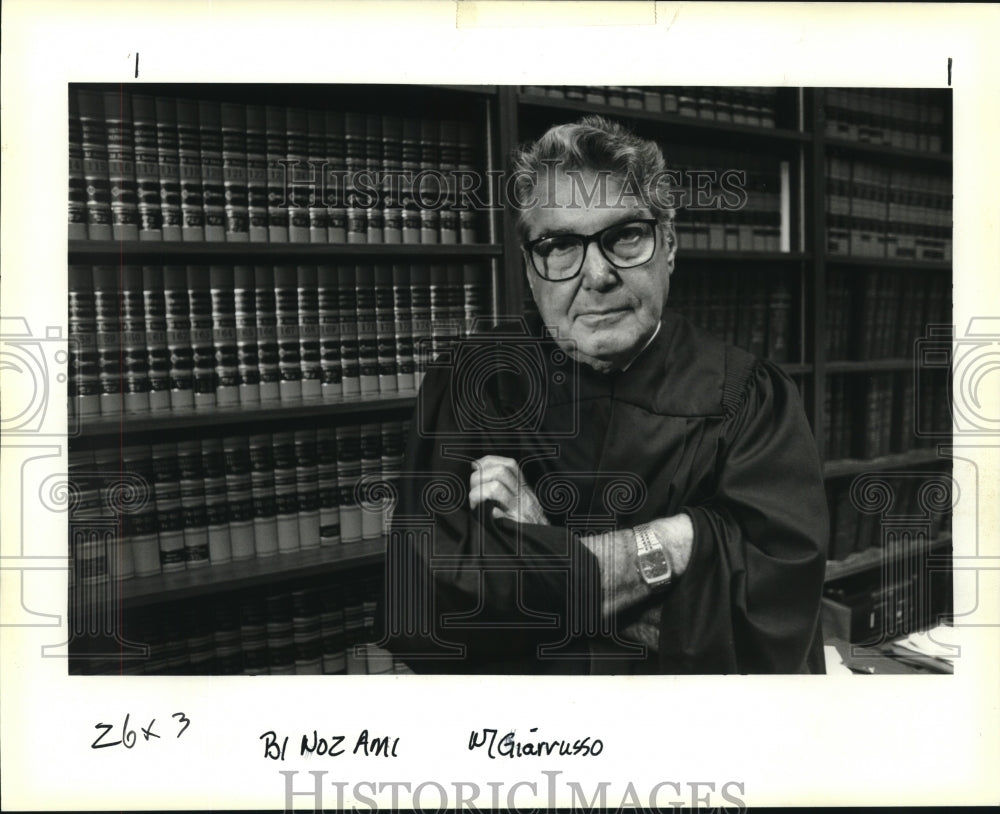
[(834, 663), (940, 642)]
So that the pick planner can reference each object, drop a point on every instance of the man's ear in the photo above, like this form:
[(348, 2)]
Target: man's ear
[(670, 236)]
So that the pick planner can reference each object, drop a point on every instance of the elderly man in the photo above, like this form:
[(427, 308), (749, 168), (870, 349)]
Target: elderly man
[(612, 490)]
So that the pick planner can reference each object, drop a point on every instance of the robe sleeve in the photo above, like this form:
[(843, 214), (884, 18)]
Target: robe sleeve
[(749, 600), (456, 578)]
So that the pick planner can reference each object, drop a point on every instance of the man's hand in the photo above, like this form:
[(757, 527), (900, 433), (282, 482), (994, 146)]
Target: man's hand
[(499, 481)]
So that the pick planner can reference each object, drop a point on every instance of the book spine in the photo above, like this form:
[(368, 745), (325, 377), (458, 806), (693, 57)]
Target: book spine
[(285, 491), (204, 379), (287, 314), (135, 361), (94, 143), (440, 311), (77, 212), (372, 518), (224, 340), (179, 337), (267, 335), (329, 332), (348, 319), (169, 169), (256, 142), (84, 383), (147, 170), (108, 466), (234, 172), (189, 156), (374, 197), (299, 174), (448, 158), (140, 523), (307, 489), (467, 215), (392, 163), (309, 332), (277, 175), (265, 507), (213, 470), (328, 493), (306, 633), (332, 634), (121, 166), (245, 312), (319, 218), (779, 322), (404, 328), (354, 163), (109, 369), (212, 179), (253, 636), (348, 473), (157, 348), (420, 299), (411, 168), (169, 513), (236, 452), (385, 328), (367, 329), (192, 489), (333, 123), (280, 644)]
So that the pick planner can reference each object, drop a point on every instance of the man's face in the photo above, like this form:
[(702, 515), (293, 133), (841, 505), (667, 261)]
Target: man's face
[(607, 312)]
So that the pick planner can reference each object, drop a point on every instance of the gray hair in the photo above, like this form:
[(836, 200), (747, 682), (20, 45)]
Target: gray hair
[(597, 144)]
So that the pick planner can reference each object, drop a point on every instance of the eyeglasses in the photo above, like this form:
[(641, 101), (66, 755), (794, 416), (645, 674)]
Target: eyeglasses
[(624, 245)]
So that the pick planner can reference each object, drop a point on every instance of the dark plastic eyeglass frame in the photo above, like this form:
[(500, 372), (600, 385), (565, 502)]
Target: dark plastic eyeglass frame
[(595, 237)]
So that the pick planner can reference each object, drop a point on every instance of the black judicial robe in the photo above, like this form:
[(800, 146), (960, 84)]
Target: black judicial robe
[(691, 426)]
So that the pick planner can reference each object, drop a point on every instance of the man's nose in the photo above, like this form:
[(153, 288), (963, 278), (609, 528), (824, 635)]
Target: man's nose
[(597, 272)]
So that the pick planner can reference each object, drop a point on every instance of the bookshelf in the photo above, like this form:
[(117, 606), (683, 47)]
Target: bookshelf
[(840, 196)]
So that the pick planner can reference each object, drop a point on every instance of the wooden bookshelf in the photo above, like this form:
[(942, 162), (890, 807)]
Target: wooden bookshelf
[(876, 263), (870, 558), (889, 154), (108, 251), (869, 366), (856, 466)]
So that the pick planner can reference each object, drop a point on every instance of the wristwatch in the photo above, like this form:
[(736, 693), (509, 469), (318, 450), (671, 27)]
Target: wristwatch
[(653, 563)]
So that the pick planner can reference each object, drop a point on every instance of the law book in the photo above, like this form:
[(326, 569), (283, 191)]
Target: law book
[(192, 491), (319, 218), (348, 320), (420, 298), (348, 473), (121, 165), (216, 496), (403, 313), (374, 199), (77, 211), (393, 446), (256, 170), (354, 163), (364, 282), (336, 174), (411, 169), (332, 633), (200, 644), (277, 175), (371, 467), (234, 172), (779, 322), (385, 329), (158, 360), (265, 506), (280, 640), (147, 169), (758, 317), (267, 335), (212, 175), (307, 488), (440, 308), (84, 383), (306, 640), (886, 411), (94, 144), (224, 337), (139, 523), (474, 296), (109, 370), (204, 379), (135, 362), (467, 215), (245, 325), (168, 162), (236, 452), (253, 635), (192, 197), (299, 174), (285, 491), (354, 638), (309, 332), (392, 162), (175, 291), (226, 639), (287, 322), (332, 387), (448, 164), (867, 323), (118, 556), (326, 483), (169, 512)]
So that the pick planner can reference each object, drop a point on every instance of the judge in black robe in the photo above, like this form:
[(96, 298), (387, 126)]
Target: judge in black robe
[(535, 451)]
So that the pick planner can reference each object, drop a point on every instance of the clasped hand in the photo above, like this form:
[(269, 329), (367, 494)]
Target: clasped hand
[(499, 481)]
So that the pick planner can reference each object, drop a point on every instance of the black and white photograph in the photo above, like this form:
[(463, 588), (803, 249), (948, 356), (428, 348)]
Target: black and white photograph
[(434, 438)]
